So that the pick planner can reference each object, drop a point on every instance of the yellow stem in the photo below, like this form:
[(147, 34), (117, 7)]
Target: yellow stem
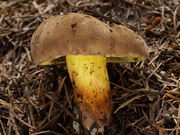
[(92, 89)]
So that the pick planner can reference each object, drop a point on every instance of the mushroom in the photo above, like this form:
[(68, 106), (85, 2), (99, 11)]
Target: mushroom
[(87, 44)]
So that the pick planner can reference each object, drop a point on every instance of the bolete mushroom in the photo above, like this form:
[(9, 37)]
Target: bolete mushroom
[(87, 43)]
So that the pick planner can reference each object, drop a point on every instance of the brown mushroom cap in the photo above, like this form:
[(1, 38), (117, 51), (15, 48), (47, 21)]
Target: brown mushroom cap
[(80, 34)]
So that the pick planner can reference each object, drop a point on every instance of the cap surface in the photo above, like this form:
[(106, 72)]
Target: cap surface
[(80, 34)]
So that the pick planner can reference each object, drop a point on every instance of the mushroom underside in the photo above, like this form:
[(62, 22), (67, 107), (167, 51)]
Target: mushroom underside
[(124, 59)]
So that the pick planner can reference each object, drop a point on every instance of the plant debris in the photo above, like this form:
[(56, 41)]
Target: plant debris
[(39, 99)]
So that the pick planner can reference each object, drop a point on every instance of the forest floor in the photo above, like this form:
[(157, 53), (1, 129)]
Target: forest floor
[(39, 99)]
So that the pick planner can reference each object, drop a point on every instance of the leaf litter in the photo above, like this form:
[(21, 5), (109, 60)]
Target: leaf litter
[(39, 99)]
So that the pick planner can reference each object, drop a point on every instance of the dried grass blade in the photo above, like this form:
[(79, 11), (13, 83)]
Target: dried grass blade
[(128, 102)]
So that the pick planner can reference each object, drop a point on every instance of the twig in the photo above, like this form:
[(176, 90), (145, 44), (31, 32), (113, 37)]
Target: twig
[(4, 131)]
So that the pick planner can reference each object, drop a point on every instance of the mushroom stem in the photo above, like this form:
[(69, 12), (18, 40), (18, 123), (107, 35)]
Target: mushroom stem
[(90, 79)]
